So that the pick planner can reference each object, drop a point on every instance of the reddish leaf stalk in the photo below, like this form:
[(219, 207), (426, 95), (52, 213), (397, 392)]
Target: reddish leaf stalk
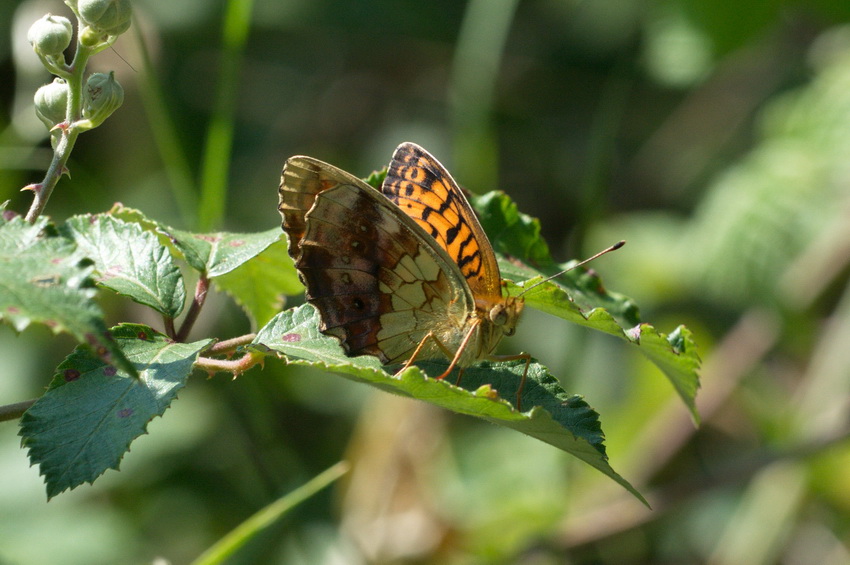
[(228, 346), (236, 366), (170, 330), (201, 290)]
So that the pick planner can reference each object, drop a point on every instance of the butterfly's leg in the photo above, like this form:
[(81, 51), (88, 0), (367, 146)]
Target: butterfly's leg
[(459, 375), (527, 358), (418, 350), (458, 353)]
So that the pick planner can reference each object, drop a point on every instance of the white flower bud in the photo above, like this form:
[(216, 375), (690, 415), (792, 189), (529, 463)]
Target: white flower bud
[(102, 96), (50, 35), (51, 102), (111, 17)]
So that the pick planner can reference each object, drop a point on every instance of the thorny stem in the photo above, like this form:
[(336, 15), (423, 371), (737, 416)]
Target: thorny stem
[(43, 190), (201, 290), (69, 129), (68, 133)]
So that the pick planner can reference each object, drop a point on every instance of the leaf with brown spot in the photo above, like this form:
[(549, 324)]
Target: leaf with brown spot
[(90, 414)]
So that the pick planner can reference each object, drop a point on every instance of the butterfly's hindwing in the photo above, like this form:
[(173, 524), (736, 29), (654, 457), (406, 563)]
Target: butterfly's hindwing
[(369, 274), (301, 181)]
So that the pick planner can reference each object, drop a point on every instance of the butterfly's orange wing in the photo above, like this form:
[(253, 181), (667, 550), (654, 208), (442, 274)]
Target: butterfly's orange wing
[(422, 188)]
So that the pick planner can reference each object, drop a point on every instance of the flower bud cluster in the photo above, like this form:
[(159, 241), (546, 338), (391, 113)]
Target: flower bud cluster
[(67, 99)]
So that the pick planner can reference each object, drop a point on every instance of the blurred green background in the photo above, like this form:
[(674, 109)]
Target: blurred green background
[(713, 136)]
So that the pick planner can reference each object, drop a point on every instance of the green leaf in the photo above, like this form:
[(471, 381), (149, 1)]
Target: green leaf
[(136, 216), (43, 279), (376, 178), (129, 261), (260, 283), (90, 414), (675, 355), (562, 420), (216, 254), (510, 231), (580, 297)]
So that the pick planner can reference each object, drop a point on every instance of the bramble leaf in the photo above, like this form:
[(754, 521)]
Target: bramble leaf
[(90, 414), (260, 284), (213, 254), (216, 254), (44, 279), (129, 261), (254, 269), (555, 417), (580, 297)]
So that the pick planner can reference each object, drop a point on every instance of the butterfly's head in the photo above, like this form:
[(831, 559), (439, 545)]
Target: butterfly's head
[(505, 314)]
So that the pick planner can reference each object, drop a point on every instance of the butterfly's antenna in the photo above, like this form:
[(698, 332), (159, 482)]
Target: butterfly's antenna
[(123, 59), (614, 247)]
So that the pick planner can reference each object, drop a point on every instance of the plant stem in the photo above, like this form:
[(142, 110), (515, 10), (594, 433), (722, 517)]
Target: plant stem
[(248, 530), (170, 331), (237, 366), (14, 411), (69, 132), (44, 189), (201, 290), (229, 345)]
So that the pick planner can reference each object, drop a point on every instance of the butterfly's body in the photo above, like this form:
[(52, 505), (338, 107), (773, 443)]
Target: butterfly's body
[(402, 275)]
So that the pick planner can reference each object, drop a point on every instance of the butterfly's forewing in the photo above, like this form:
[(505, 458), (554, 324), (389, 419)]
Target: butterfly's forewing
[(380, 284), (422, 188)]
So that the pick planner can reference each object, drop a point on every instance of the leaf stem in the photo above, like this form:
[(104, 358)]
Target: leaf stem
[(229, 345), (52, 65), (15, 411), (170, 330), (237, 366), (201, 290)]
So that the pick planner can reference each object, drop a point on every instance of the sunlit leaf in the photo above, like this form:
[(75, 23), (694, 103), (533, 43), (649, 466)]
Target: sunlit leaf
[(260, 284), (216, 254), (129, 261), (45, 280), (487, 390)]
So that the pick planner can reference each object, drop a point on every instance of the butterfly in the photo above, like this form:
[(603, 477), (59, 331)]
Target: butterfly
[(403, 274)]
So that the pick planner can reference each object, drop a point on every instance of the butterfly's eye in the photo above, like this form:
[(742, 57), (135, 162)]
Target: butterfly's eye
[(498, 315)]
